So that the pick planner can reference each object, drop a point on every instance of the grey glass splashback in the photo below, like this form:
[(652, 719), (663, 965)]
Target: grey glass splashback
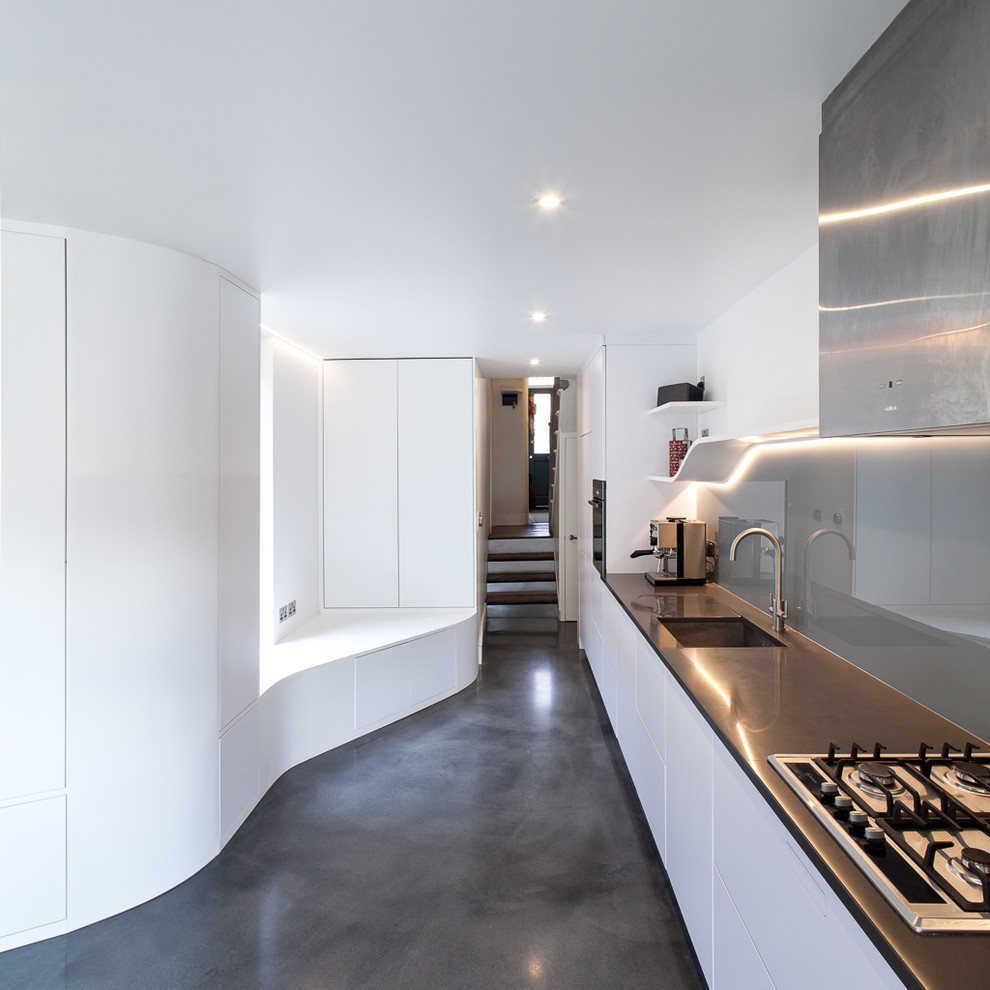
[(886, 557)]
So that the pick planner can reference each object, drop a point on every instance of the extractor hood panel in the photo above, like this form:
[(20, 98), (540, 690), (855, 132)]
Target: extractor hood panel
[(905, 278)]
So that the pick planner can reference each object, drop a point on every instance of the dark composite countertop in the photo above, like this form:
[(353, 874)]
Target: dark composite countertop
[(798, 699)]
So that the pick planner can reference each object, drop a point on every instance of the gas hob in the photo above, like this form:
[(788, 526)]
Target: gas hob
[(917, 825)]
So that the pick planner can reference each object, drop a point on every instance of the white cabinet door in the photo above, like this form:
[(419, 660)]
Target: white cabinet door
[(437, 523), (627, 637), (32, 864), (32, 515), (610, 610), (360, 484), (788, 910), (689, 819), (737, 962)]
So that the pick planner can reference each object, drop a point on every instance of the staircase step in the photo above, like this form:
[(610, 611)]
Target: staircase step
[(533, 555), (504, 577), (521, 598), (529, 589), (542, 544), (502, 567), (522, 625), (525, 610)]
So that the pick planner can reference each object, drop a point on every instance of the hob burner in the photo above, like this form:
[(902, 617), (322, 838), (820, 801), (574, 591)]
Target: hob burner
[(973, 775), (971, 865), (875, 778)]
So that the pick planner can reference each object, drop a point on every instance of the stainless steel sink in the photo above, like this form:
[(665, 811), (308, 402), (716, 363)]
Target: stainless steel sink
[(719, 633)]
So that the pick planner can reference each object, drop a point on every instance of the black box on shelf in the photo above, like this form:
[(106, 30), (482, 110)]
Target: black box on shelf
[(684, 392)]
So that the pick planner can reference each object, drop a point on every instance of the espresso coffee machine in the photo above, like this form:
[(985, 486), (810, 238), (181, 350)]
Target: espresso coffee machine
[(680, 546)]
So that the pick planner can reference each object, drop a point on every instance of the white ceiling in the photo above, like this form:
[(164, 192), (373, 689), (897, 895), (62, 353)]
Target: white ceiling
[(370, 165)]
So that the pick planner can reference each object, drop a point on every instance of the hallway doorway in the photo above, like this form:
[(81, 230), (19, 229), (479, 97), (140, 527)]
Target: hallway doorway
[(540, 427)]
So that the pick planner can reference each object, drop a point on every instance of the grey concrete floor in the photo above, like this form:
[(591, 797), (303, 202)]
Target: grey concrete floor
[(492, 841)]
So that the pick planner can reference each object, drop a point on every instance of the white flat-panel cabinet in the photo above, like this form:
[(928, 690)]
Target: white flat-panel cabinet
[(32, 865), (737, 962), (32, 516), (787, 909), (755, 907), (626, 637), (399, 523), (688, 856), (142, 600), (436, 483), (360, 484)]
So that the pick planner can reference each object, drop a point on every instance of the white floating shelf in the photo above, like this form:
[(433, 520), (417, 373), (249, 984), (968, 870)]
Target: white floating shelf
[(691, 407), (713, 459)]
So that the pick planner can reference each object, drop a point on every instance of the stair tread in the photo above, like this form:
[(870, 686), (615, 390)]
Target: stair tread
[(521, 598), (507, 577), (532, 555)]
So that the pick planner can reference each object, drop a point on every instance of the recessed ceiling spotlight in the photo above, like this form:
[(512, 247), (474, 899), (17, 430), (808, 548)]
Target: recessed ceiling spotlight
[(550, 201), (538, 317), (534, 361)]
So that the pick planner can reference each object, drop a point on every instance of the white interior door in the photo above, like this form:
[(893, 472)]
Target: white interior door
[(567, 544)]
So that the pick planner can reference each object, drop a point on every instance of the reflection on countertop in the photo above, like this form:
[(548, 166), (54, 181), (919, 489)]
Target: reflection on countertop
[(944, 671), (795, 698)]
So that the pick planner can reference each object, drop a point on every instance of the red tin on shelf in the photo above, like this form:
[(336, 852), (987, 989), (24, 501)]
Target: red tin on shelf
[(678, 448)]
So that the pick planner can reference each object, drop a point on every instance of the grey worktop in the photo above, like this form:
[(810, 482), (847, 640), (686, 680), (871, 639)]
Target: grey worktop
[(797, 699)]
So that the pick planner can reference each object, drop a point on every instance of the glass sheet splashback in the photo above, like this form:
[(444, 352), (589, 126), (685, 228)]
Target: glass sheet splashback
[(886, 556)]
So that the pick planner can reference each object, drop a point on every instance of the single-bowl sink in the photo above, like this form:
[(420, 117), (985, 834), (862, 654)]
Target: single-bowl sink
[(719, 633)]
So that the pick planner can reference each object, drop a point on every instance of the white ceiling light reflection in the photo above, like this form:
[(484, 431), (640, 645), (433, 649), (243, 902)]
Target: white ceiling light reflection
[(550, 201), (543, 689), (538, 317)]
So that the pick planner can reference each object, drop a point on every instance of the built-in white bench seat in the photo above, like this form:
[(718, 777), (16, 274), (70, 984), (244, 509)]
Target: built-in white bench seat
[(336, 634), (346, 673)]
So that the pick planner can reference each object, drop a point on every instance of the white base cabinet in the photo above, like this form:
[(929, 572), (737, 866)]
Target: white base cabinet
[(787, 909), (689, 819), (758, 913)]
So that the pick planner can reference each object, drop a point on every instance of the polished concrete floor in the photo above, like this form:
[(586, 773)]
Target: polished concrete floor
[(492, 841)]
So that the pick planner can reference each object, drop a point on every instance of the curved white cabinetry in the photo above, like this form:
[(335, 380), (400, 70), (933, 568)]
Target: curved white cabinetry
[(146, 546)]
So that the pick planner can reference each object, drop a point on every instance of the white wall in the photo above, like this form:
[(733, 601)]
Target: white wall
[(635, 442), (761, 356), (510, 455), (567, 421), (296, 485)]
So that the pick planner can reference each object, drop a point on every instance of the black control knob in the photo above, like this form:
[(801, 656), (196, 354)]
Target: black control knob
[(858, 820), (875, 837)]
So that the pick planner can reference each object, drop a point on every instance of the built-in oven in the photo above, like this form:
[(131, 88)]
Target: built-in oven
[(597, 503)]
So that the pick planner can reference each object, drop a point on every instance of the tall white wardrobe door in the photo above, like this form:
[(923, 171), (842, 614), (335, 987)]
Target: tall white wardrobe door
[(436, 492), (32, 515), (360, 483)]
